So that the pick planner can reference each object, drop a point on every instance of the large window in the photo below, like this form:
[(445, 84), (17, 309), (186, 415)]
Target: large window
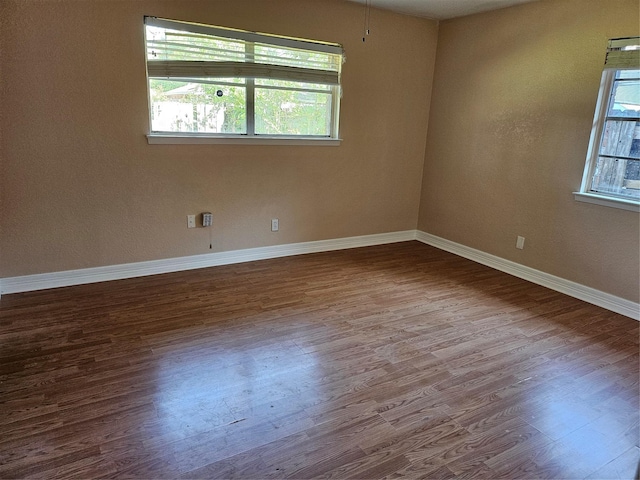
[(612, 172), (213, 82)]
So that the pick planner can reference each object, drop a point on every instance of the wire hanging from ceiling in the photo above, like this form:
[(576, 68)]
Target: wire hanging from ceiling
[(367, 18)]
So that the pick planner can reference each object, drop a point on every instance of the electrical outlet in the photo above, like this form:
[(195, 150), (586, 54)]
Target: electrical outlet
[(520, 243), (191, 221), (275, 224)]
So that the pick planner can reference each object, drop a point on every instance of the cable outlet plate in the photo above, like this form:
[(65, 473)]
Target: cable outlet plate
[(520, 243)]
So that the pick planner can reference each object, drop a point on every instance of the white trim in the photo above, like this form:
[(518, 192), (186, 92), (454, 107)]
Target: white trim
[(177, 139), (596, 199), (43, 281), (597, 126), (576, 290)]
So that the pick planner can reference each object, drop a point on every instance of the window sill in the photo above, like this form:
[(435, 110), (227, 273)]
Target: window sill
[(607, 201), (177, 139)]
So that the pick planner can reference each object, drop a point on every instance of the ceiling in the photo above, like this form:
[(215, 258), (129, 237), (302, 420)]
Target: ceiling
[(441, 9)]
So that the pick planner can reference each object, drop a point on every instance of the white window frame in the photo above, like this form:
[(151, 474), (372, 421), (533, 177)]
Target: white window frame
[(622, 54), (168, 69)]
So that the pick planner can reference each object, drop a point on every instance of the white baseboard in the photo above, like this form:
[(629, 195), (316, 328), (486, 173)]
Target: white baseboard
[(576, 290), (43, 281)]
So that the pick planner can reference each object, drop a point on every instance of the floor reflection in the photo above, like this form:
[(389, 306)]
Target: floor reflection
[(208, 389)]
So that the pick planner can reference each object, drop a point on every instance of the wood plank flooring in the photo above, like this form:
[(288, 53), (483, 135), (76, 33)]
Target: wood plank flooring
[(381, 362)]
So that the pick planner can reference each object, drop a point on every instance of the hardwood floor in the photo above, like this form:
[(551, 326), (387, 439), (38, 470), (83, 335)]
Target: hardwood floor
[(381, 362)]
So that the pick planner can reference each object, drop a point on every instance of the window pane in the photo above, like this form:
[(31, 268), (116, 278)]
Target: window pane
[(207, 79), (625, 99), (621, 138), (628, 74), (617, 176), (287, 112), (179, 106)]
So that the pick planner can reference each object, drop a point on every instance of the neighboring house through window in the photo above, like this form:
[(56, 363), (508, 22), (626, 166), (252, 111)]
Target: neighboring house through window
[(612, 171)]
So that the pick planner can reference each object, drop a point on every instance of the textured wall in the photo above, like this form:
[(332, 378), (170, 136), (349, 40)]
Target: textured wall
[(82, 188), (514, 94), (513, 102)]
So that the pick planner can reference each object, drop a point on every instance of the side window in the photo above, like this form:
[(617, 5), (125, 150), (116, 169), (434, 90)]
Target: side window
[(213, 81), (612, 170)]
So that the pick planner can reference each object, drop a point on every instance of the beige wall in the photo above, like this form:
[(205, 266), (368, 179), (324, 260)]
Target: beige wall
[(513, 101), (82, 188)]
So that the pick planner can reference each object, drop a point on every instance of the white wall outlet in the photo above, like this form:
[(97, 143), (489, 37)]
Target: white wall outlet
[(520, 243), (275, 224), (191, 221)]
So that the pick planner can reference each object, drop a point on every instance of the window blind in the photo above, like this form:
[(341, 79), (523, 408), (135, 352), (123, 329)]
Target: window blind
[(623, 53), (186, 50)]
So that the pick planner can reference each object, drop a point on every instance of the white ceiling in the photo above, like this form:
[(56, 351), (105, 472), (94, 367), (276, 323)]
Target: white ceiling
[(441, 9)]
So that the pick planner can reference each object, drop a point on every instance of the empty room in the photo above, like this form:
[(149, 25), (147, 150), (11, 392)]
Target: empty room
[(319, 239)]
